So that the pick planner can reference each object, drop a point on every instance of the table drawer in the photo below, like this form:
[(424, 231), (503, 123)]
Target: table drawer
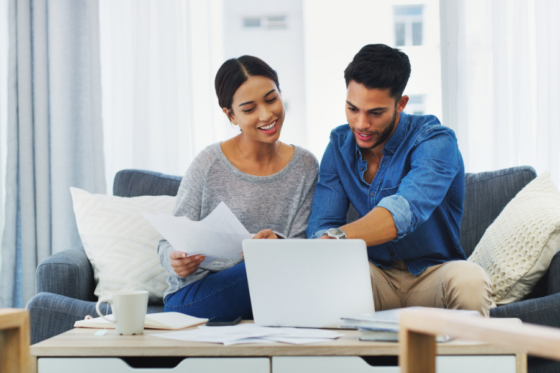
[(355, 364), (326, 364), (478, 364), (188, 365)]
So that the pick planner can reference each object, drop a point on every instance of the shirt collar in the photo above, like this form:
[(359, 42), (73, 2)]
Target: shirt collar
[(357, 152), (398, 135), (395, 140)]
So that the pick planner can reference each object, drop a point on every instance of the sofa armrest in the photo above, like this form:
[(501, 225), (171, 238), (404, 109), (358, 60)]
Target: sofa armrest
[(542, 311), (553, 275), (67, 273)]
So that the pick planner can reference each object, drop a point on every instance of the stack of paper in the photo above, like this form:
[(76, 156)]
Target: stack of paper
[(218, 236), (251, 333), (384, 325)]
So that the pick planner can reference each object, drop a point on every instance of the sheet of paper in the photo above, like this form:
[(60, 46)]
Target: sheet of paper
[(214, 335), (247, 341), (225, 219), (296, 341), (309, 333), (251, 333), (218, 236)]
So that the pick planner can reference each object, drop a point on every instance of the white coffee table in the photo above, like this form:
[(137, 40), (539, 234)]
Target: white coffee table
[(79, 350)]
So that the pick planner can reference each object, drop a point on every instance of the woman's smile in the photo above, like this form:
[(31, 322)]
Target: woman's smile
[(270, 128)]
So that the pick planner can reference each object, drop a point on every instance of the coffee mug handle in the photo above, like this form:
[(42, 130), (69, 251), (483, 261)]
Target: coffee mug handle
[(109, 300)]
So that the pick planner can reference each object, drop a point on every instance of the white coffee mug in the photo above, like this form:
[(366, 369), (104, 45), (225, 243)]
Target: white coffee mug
[(129, 310)]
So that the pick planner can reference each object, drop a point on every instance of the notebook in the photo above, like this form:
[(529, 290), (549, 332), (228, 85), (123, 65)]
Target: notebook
[(387, 320), (161, 320)]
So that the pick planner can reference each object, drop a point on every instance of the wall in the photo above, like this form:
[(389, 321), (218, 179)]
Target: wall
[(282, 49), (335, 33)]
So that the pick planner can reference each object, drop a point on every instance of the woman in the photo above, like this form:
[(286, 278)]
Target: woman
[(267, 184)]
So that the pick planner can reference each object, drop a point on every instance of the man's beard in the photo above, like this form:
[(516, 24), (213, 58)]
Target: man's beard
[(386, 133)]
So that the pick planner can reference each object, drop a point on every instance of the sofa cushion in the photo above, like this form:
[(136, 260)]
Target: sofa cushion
[(516, 250), (134, 183), (486, 195), (121, 244)]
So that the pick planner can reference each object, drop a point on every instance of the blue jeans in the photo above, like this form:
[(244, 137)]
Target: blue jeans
[(220, 294)]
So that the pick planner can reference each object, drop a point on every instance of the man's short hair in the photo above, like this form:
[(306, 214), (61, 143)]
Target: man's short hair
[(380, 66)]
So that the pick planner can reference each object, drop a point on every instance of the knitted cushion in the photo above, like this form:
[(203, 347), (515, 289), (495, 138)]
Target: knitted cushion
[(120, 244), (518, 246)]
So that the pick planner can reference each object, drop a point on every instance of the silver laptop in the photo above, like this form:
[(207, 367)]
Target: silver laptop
[(307, 283)]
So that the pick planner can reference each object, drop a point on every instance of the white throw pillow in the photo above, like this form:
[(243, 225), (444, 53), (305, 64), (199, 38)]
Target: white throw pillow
[(517, 248), (120, 244)]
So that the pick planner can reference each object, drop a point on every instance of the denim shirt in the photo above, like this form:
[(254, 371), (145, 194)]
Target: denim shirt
[(421, 181)]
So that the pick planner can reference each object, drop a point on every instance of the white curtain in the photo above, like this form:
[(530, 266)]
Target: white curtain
[(54, 138), (159, 59), (501, 90), (4, 43)]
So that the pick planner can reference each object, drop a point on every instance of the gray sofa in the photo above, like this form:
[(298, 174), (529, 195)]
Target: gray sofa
[(65, 280)]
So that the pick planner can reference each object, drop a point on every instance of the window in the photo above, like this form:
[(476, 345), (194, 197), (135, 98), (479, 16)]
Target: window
[(415, 105), (408, 25), (277, 22), (250, 22)]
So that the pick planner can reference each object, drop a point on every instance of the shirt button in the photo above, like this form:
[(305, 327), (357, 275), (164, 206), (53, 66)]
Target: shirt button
[(372, 194), (361, 169)]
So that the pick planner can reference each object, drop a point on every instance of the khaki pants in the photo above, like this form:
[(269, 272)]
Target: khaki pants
[(457, 285)]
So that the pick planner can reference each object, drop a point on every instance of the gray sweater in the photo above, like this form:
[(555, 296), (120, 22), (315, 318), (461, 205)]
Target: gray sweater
[(281, 202)]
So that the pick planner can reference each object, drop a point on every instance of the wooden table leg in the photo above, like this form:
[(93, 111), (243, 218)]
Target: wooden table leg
[(521, 363), (14, 341), (417, 352), (33, 368)]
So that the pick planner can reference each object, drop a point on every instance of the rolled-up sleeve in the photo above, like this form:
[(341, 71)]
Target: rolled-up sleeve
[(435, 162), (399, 207)]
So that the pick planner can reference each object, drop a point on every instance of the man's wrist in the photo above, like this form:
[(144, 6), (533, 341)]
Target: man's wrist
[(336, 233)]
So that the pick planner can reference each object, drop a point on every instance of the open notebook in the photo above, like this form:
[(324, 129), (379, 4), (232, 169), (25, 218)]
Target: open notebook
[(161, 320)]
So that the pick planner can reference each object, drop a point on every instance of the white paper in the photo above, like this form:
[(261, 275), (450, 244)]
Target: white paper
[(218, 236), (224, 218), (308, 333), (214, 334), (297, 341), (247, 341), (251, 333)]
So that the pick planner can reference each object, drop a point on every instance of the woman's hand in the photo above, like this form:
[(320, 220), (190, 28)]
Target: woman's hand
[(266, 234), (184, 265)]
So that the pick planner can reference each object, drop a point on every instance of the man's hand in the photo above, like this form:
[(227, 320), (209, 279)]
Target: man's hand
[(376, 227), (324, 237), (184, 265), (266, 234)]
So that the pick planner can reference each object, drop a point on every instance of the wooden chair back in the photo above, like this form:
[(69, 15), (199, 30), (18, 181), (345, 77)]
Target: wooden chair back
[(14, 341), (418, 328)]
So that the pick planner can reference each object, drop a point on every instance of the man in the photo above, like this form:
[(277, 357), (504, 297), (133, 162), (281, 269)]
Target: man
[(404, 175)]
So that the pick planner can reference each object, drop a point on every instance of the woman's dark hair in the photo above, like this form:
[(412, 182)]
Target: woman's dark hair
[(380, 66), (235, 72)]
